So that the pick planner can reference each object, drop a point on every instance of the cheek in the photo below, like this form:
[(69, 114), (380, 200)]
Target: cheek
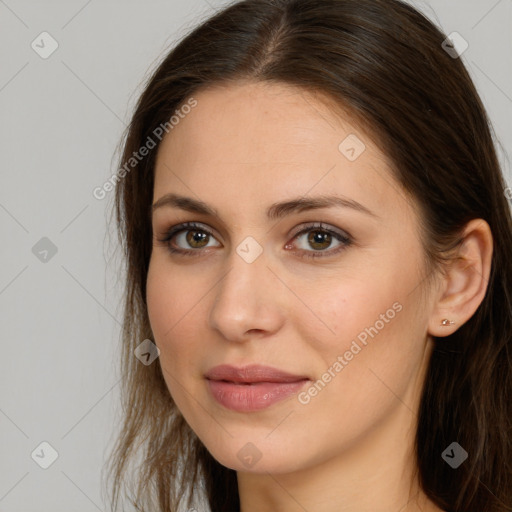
[(159, 294), (171, 303), (370, 321), (352, 310), (170, 297), (368, 364), (378, 337)]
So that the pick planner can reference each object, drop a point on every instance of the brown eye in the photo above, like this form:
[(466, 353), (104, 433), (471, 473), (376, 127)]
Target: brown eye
[(187, 239), (196, 239), (319, 239)]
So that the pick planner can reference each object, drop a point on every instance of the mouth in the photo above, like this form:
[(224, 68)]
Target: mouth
[(251, 374), (251, 388)]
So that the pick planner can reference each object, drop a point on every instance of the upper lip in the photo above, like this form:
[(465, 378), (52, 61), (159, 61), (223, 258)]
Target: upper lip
[(251, 373)]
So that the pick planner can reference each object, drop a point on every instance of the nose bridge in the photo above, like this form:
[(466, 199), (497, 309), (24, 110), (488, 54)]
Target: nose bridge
[(245, 297)]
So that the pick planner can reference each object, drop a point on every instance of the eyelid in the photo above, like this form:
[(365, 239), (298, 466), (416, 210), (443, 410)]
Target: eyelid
[(171, 232), (321, 226)]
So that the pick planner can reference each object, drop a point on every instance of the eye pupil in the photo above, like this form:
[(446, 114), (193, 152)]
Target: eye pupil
[(319, 238), (194, 237)]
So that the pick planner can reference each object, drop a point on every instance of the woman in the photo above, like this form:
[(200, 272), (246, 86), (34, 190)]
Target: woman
[(317, 241)]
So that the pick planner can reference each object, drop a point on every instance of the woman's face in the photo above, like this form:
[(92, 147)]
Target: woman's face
[(339, 307)]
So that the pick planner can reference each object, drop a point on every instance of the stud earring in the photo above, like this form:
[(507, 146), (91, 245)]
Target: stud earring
[(447, 322)]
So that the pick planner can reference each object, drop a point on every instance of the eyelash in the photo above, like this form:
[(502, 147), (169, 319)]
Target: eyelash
[(345, 240)]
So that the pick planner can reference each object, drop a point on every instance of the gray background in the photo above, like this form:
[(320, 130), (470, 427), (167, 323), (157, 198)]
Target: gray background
[(62, 118)]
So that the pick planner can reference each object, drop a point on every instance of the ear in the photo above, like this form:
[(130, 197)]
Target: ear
[(463, 287)]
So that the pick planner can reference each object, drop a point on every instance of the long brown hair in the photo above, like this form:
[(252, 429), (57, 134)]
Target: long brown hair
[(384, 63)]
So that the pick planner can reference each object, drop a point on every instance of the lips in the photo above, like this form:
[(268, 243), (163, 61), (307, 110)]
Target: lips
[(251, 374), (251, 388)]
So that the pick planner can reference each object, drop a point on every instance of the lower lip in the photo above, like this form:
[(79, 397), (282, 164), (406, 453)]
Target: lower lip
[(252, 397)]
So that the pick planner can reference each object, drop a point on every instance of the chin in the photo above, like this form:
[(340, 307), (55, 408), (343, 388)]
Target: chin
[(255, 457)]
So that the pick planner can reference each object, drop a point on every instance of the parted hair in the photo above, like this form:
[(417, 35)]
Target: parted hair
[(383, 62)]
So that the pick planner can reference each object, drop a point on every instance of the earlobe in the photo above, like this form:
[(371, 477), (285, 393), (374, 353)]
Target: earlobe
[(465, 282)]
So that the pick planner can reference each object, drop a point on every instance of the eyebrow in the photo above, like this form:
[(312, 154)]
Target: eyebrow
[(275, 211)]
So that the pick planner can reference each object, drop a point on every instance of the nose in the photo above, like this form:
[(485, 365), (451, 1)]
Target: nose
[(248, 300)]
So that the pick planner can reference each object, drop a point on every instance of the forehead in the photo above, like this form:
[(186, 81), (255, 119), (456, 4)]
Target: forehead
[(259, 140), (261, 118)]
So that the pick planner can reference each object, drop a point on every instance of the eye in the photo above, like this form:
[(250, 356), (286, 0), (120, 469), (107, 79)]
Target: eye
[(197, 237), (189, 233), (320, 238)]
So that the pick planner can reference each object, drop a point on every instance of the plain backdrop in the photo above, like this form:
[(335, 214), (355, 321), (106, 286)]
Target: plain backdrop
[(61, 120)]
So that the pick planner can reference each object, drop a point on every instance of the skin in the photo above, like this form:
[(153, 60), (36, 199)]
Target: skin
[(350, 448)]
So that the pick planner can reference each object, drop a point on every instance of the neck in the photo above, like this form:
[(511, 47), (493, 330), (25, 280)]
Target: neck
[(377, 473), (377, 476)]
